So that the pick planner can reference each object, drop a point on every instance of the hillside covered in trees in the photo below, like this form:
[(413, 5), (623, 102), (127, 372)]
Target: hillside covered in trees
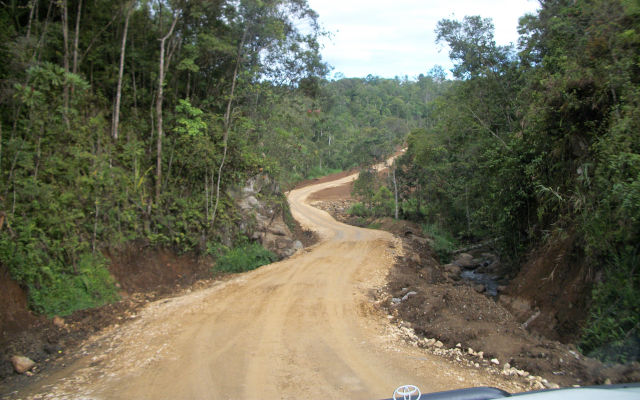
[(538, 148), (129, 121)]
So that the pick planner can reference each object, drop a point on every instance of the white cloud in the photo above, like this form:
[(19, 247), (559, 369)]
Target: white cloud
[(396, 38)]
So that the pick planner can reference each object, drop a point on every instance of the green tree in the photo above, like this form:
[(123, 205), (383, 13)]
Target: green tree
[(364, 187)]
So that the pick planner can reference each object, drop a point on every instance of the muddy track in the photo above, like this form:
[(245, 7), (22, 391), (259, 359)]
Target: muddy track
[(301, 328)]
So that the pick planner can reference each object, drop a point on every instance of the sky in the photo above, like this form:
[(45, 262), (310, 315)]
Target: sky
[(389, 38)]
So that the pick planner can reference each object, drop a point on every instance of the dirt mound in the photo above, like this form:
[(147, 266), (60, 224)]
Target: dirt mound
[(306, 237), (342, 192), (456, 314), (14, 315), (139, 268)]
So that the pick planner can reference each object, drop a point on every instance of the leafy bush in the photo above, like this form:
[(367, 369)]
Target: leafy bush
[(364, 186), (56, 286), (613, 330), (383, 202), (93, 286), (245, 258), (359, 210), (443, 242)]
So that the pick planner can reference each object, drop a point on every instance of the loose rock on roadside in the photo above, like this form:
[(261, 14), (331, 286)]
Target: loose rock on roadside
[(22, 364)]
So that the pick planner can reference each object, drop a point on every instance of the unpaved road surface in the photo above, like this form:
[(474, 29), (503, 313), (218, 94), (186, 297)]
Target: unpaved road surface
[(301, 328)]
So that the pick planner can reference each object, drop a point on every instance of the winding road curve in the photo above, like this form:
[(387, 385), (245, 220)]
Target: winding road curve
[(301, 328)]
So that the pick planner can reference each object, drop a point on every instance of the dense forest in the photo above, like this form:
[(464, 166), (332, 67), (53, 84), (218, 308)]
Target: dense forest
[(125, 121), (129, 121)]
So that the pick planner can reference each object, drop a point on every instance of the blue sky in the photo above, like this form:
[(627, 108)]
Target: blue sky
[(391, 38)]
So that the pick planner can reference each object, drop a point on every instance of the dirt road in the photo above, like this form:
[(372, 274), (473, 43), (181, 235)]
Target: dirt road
[(301, 328)]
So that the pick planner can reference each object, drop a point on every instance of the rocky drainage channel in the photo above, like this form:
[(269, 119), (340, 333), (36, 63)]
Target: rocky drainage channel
[(480, 272)]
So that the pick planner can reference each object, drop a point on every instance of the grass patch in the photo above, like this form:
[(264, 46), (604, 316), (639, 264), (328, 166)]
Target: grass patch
[(359, 210), (245, 258), (317, 172)]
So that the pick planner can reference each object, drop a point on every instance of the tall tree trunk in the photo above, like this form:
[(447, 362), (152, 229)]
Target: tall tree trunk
[(43, 35), (0, 148), (33, 4), (95, 226), (133, 76), (134, 87), (116, 111), (227, 123), (96, 37), (395, 189), (159, 101), (65, 58), (188, 83), (76, 38), (466, 206), (38, 154), (206, 192)]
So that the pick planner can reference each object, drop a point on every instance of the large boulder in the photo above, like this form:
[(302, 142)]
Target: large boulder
[(22, 364), (465, 260), (452, 269), (59, 322)]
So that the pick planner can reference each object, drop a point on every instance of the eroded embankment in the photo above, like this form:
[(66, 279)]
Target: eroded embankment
[(437, 305)]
